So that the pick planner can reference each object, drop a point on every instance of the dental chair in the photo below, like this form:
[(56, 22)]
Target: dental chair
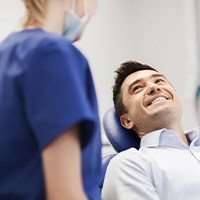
[(120, 138)]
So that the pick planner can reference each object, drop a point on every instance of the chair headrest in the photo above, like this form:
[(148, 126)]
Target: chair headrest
[(119, 137)]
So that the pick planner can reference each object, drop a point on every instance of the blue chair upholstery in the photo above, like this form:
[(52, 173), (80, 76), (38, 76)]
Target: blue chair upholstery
[(120, 138)]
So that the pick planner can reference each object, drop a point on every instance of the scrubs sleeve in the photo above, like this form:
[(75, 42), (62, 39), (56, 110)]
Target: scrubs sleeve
[(54, 89)]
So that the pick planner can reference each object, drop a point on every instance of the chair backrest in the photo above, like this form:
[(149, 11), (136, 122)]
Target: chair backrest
[(120, 138), (104, 163)]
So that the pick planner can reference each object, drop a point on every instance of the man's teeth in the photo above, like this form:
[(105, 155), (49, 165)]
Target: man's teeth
[(159, 99)]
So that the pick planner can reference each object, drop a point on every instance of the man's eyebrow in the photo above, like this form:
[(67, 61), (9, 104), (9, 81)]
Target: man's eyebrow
[(158, 75), (141, 79)]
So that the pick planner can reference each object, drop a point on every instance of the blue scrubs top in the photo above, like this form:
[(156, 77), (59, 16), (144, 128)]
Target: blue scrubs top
[(45, 88)]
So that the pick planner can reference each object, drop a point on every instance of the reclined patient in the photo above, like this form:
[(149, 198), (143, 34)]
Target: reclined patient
[(167, 165)]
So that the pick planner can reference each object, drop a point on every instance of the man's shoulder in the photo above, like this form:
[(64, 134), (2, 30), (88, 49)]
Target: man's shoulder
[(131, 155), (131, 159)]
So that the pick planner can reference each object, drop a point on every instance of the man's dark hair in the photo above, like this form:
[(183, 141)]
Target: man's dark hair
[(122, 72)]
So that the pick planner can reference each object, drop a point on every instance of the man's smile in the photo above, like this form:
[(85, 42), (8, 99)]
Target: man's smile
[(157, 99)]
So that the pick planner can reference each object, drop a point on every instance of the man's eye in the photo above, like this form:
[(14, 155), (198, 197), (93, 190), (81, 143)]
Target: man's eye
[(159, 81), (137, 88)]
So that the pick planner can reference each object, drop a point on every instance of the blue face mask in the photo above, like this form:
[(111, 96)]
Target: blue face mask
[(74, 25)]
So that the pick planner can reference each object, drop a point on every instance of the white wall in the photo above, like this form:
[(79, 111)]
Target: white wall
[(154, 32), (159, 33), (11, 11)]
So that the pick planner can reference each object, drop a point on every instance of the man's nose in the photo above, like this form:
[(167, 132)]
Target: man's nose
[(153, 88)]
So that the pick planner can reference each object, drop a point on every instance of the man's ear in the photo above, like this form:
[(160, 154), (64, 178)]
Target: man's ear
[(126, 121)]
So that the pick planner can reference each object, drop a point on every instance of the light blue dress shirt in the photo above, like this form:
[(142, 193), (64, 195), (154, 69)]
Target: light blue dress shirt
[(164, 168)]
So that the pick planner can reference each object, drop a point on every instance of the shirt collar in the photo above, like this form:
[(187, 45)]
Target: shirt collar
[(170, 138), (194, 137), (151, 139)]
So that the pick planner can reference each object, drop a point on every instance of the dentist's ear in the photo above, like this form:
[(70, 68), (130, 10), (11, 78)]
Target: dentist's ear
[(126, 122)]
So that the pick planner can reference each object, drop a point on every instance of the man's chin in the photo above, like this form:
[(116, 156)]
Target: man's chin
[(160, 110)]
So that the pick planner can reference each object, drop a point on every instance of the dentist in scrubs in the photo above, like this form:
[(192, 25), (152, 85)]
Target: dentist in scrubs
[(50, 145)]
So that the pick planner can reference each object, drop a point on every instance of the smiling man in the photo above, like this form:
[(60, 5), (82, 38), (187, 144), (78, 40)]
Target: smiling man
[(167, 165)]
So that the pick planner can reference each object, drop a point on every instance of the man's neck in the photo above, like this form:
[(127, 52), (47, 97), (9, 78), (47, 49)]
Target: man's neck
[(178, 129)]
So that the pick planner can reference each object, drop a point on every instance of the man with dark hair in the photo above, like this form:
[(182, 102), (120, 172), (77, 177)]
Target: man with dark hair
[(167, 165)]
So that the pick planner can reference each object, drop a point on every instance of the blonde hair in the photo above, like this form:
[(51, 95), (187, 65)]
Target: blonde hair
[(35, 12)]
